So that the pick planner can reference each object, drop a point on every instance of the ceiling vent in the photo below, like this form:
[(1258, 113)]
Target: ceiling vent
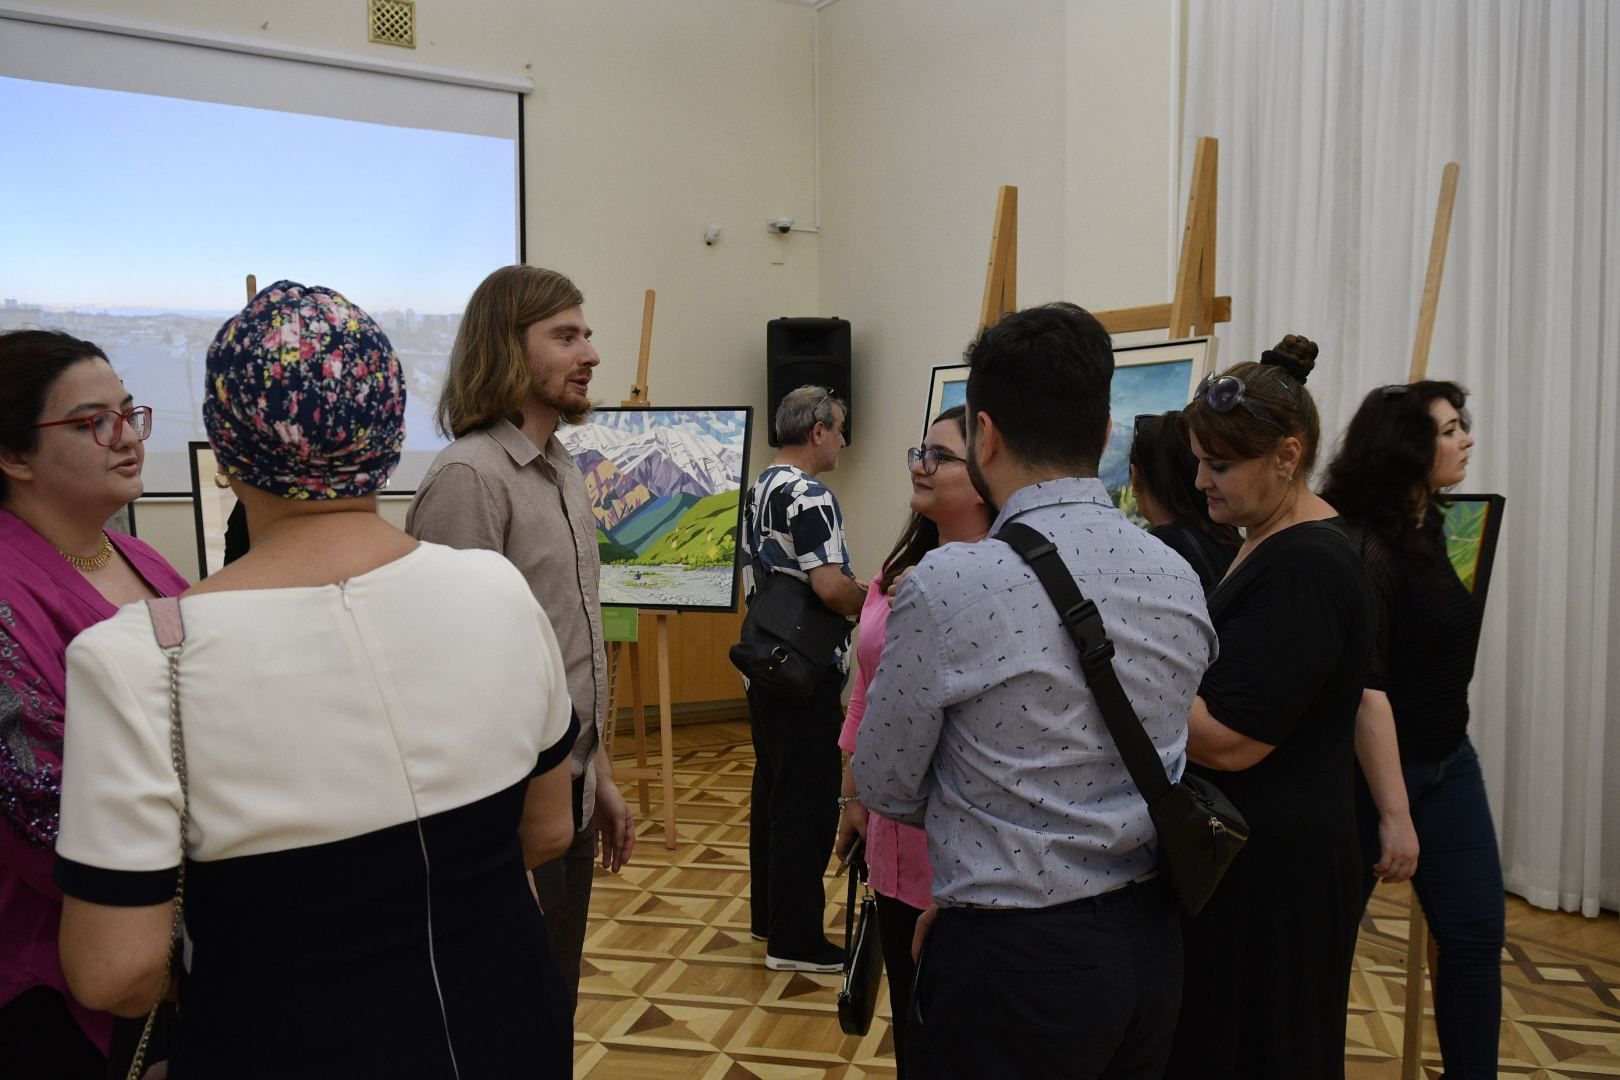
[(392, 22)]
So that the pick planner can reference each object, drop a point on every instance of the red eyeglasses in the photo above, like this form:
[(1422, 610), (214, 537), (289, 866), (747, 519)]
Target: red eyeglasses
[(107, 426)]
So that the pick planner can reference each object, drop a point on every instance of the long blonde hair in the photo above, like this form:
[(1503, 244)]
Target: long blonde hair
[(489, 376)]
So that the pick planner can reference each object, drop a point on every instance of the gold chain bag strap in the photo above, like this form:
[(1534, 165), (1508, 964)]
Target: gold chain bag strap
[(171, 635)]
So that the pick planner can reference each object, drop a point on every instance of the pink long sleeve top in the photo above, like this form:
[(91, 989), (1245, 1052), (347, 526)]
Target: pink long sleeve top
[(896, 854)]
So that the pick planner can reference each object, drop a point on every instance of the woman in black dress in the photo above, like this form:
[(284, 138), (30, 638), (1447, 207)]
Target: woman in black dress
[(1268, 961), (1164, 480), (1405, 446)]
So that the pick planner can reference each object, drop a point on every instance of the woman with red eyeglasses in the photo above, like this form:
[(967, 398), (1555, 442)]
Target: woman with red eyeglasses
[(70, 458)]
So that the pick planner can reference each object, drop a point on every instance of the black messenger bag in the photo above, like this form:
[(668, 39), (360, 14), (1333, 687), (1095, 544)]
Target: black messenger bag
[(788, 638)]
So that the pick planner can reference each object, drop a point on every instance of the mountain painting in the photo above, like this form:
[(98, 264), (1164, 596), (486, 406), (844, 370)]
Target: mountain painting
[(665, 486)]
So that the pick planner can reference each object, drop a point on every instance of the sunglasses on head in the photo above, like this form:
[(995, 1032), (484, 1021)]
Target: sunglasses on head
[(1223, 393)]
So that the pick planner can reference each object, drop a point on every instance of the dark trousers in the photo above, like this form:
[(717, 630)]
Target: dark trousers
[(564, 887), (793, 817), (1088, 990), (897, 922), (1459, 885)]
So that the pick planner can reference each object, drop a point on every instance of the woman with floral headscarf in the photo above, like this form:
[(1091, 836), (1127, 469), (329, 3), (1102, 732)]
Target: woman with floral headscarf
[(371, 742)]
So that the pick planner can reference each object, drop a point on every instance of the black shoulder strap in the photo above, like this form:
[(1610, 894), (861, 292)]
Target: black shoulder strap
[(1084, 623)]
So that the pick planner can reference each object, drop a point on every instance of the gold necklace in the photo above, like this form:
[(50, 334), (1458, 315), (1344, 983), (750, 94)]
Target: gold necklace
[(89, 564)]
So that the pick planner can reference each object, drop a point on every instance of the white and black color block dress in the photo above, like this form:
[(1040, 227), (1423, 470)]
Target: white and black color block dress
[(358, 756)]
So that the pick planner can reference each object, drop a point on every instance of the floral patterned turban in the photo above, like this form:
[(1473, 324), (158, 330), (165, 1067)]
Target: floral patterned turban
[(305, 397)]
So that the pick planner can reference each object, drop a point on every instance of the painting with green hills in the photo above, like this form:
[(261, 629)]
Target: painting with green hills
[(665, 488), (1471, 524)]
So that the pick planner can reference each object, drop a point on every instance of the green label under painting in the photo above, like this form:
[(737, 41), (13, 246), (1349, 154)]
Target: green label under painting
[(620, 623)]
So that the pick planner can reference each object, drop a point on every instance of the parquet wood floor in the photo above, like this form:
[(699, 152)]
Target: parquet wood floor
[(673, 987)]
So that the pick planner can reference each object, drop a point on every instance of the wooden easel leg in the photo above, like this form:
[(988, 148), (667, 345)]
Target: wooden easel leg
[(639, 712), (1417, 933), (666, 734)]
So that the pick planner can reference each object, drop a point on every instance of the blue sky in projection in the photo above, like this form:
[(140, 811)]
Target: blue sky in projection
[(120, 200)]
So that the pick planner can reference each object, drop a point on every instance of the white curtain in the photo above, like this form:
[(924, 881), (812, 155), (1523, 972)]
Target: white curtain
[(1334, 120)]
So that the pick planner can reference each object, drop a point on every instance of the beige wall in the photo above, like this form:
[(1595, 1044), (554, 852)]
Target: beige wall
[(651, 118), (927, 107)]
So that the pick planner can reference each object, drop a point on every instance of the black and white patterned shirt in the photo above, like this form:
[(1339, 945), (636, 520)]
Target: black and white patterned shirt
[(979, 724)]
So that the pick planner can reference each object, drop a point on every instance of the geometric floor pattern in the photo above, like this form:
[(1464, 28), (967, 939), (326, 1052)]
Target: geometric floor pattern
[(673, 986)]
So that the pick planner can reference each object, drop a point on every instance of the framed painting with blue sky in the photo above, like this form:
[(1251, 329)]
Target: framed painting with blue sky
[(1154, 378), (665, 487)]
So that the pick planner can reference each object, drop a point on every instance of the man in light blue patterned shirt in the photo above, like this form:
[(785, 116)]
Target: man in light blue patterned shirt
[(1056, 951)]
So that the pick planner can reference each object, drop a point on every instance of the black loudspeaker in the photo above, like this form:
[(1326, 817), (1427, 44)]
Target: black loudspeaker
[(808, 352)]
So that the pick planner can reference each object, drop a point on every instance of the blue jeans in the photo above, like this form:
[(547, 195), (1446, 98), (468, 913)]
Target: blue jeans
[(1459, 885)]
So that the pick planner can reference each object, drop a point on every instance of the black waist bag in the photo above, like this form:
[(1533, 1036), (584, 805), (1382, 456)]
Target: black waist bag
[(1200, 831), (788, 638)]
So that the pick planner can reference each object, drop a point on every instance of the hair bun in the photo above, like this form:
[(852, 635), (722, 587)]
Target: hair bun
[(1295, 354)]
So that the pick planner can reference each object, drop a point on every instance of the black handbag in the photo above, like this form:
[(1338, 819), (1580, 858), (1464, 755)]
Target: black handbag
[(863, 956), (788, 638), (1200, 831)]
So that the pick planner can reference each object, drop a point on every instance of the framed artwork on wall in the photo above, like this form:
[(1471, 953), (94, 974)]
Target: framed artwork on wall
[(1472, 524), (665, 486), (1153, 378)]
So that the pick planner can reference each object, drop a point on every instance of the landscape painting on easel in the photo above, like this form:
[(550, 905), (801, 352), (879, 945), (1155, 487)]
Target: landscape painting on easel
[(1472, 524), (1154, 378), (1148, 379), (665, 486)]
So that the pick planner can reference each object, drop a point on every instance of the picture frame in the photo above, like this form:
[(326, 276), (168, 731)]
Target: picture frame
[(666, 487), (211, 507), (1157, 377), (1472, 525)]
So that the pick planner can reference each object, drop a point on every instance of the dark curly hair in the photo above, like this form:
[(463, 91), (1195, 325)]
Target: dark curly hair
[(1379, 478), (920, 535), (1168, 471), (1275, 386)]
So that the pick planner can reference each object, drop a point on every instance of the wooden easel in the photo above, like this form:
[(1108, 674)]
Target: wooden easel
[(1419, 945), (629, 652), (1001, 277), (1193, 308)]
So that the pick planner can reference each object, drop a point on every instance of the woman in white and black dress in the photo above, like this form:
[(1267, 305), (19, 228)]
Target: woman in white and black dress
[(375, 733)]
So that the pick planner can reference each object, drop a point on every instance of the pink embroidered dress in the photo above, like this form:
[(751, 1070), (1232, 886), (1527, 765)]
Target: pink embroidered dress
[(44, 603), (896, 854)]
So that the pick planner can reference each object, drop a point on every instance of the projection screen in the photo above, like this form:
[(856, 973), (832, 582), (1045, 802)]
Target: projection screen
[(144, 179)]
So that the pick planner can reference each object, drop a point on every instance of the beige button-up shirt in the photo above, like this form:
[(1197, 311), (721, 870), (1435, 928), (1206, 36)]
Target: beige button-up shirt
[(495, 489)]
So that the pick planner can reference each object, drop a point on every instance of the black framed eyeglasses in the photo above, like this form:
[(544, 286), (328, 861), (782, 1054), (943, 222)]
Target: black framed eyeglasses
[(930, 456), (1223, 393), (107, 426)]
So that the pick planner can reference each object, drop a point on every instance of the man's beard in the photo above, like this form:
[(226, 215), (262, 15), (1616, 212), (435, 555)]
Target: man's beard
[(979, 485)]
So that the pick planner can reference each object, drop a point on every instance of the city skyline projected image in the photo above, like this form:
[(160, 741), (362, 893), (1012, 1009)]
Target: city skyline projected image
[(132, 220)]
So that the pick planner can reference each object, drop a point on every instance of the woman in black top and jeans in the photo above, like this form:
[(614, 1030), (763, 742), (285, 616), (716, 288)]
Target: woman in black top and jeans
[(1405, 446), (1164, 479)]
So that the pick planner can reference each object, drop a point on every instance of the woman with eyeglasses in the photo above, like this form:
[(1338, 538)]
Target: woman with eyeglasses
[(1420, 794), (1273, 725), (1164, 480), (945, 509), (70, 458)]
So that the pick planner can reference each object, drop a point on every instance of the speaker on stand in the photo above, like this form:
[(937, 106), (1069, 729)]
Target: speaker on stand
[(808, 352)]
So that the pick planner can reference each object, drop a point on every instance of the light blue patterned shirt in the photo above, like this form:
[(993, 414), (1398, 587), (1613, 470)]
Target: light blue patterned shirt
[(979, 724)]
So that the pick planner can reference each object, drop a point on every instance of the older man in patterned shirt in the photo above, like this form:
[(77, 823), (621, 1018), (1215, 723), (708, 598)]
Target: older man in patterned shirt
[(1056, 951), (792, 525)]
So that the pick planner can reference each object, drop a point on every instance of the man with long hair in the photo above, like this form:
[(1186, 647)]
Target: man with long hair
[(522, 364)]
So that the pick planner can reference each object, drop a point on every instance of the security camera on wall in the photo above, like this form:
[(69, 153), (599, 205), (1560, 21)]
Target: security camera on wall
[(782, 225)]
